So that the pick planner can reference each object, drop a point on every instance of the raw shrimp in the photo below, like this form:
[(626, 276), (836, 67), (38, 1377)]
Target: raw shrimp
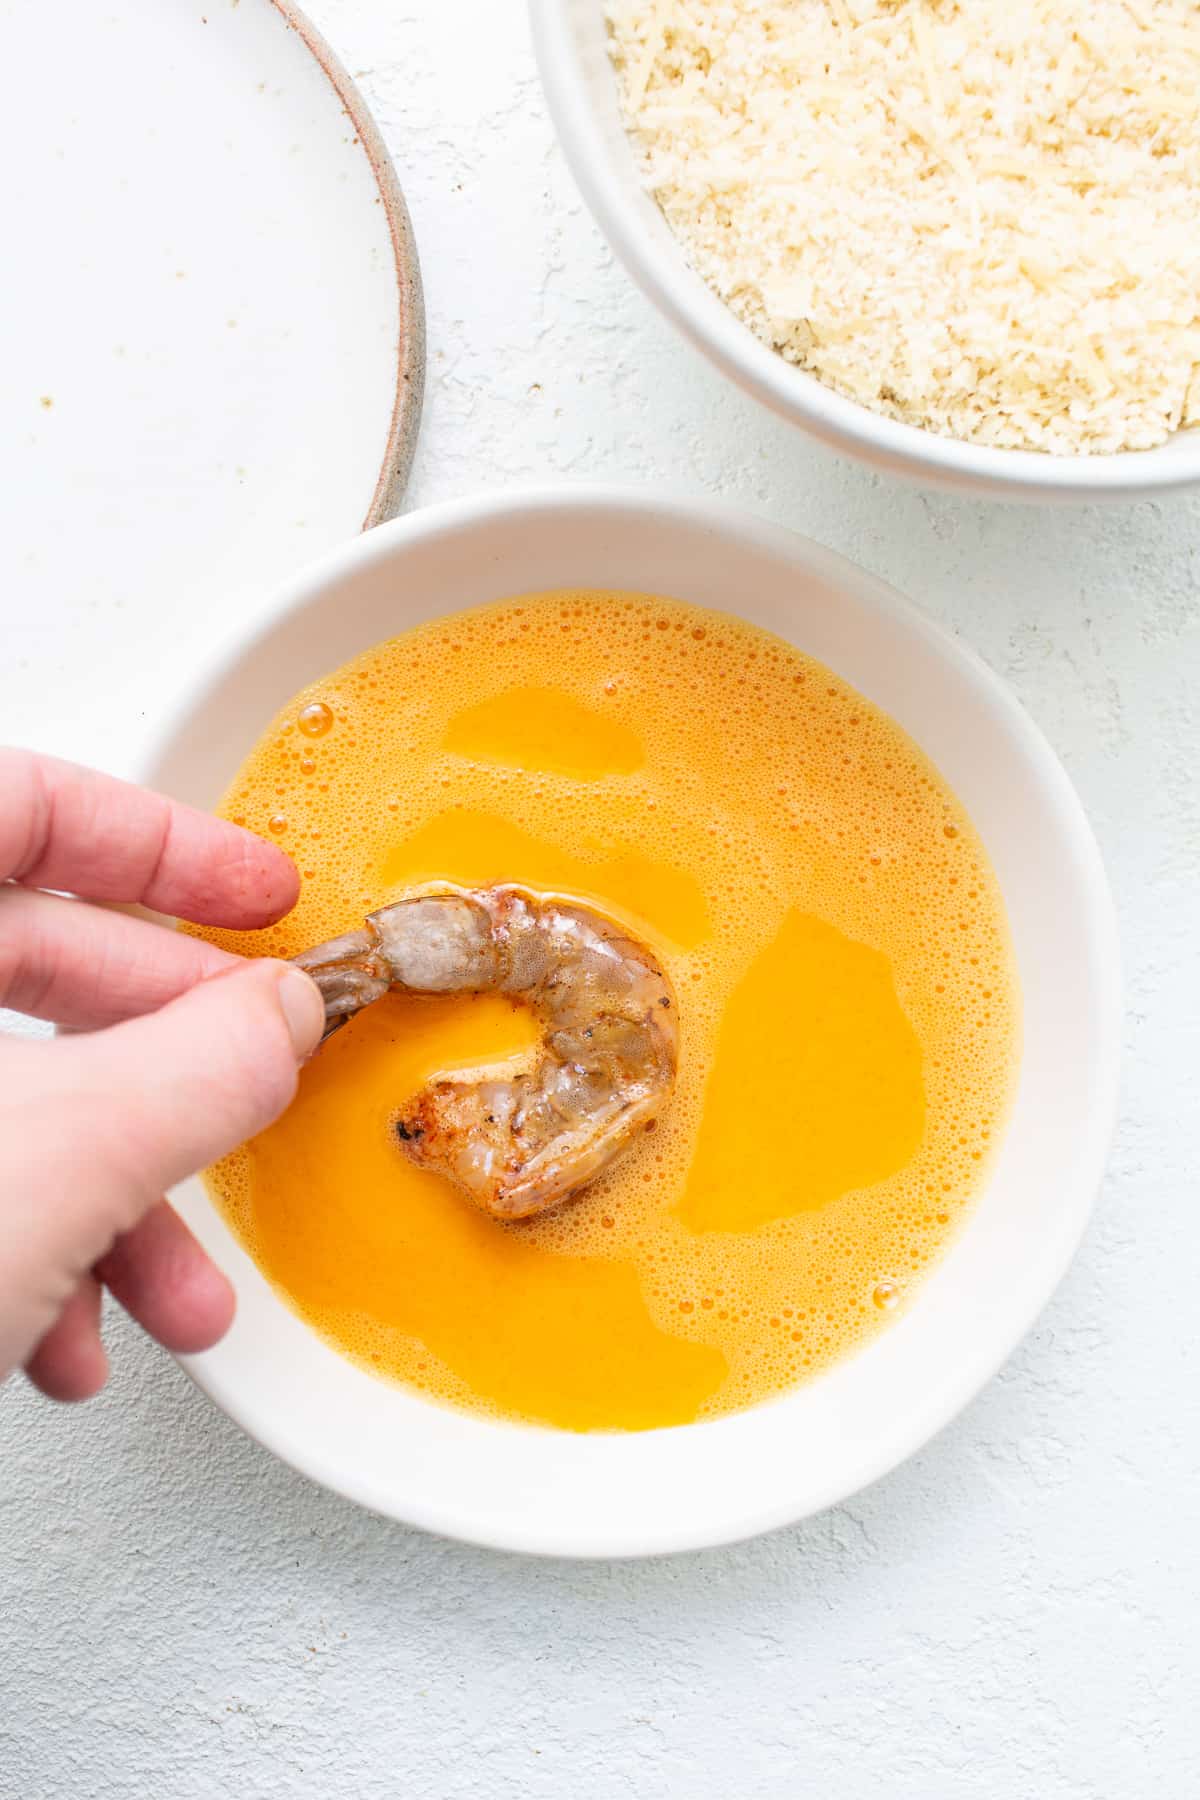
[(607, 1062)]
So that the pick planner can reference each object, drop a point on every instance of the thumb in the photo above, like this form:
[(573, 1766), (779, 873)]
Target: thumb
[(189, 1082), (101, 1124)]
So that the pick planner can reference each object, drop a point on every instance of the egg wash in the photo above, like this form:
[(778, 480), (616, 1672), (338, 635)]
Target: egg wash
[(847, 998)]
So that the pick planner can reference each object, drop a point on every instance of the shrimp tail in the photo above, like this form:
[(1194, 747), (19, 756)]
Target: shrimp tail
[(351, 971), (430, 944)]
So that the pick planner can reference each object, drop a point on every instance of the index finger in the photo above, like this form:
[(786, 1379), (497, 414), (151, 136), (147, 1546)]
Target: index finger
[(70, 828)]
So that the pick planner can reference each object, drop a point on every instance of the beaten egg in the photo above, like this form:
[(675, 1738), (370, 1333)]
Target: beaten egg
[(847, 999)]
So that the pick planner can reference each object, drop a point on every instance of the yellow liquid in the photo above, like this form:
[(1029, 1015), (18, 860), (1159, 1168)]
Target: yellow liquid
[(847, 1001)]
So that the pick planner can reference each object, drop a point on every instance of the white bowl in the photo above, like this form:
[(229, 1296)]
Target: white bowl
[(581, 92), (535, 1489)]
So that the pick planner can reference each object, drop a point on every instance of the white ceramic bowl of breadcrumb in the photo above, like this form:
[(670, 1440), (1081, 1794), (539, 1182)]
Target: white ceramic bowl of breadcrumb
[(955, 242)]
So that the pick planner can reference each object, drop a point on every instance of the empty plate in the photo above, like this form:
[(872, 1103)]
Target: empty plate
[(211, 342)]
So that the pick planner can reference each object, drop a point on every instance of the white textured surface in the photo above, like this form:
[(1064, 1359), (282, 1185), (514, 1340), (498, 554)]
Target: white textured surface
[(1015, 1614)]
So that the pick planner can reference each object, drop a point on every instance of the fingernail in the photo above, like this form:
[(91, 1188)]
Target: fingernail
[(304, 1010)]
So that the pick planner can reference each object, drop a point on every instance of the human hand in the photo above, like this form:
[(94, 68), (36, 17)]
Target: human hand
[(179, 1051)]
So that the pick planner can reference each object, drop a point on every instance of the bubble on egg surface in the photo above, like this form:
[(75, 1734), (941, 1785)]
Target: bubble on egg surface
[(315, 719)]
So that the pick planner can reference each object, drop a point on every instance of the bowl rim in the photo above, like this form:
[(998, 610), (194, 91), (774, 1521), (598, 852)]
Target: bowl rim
[(315, 585), (845, 425)]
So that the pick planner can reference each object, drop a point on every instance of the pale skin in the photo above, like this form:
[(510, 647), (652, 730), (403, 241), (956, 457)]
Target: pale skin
[(175, 1052)]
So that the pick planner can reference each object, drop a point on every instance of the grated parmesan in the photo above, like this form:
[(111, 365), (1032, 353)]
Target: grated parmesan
[(978, 216)]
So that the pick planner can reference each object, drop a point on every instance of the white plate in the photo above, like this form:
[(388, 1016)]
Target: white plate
[(211, 337), (609, 1494)]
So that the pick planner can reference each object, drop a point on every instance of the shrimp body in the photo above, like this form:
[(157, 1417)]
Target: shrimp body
[(607, 1062)]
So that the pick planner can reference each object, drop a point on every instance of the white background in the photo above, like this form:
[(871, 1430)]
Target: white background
[(1014, 1614)]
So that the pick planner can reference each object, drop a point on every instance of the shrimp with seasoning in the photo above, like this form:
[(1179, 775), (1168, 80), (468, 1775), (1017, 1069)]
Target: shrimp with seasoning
[(606, 1067)]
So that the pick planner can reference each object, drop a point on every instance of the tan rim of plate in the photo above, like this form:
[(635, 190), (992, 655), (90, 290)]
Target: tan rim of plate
[(410, 370)]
